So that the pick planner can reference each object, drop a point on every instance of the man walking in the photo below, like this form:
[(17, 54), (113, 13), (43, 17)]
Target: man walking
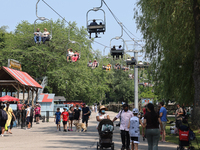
[(163, 118), (125, 116), (28, 114), (85, 114), (178, 116)]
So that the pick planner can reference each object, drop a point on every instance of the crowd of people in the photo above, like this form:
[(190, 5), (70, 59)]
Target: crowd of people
[(72, 56), (25, 115), (39, 36)]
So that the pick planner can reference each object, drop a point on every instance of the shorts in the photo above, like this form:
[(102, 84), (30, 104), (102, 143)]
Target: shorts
[(57, 121), (71, 118), (164, 123), (28, 119), (85, 119), (38, 115), (76, 118), (135, 140), (64, 122), (3, 123), (178, 123)]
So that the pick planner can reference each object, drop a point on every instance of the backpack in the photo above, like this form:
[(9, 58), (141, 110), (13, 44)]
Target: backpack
[(4, 115)]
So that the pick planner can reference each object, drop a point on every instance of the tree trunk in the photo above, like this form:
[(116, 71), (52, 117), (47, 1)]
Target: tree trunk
[(196, 74)]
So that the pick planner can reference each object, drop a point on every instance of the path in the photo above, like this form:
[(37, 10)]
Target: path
[(45, 137)]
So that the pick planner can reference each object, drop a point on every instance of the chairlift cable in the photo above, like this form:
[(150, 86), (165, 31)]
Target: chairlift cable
[(118, 21), (67, 21)]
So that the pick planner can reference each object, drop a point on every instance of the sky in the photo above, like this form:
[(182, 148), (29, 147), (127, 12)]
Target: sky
[(13, 12)]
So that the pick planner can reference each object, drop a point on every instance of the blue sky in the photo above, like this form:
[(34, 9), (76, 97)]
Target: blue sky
[(13, 12)]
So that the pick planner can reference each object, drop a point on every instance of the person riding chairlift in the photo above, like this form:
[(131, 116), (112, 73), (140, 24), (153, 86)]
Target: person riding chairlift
[(90, 63), (93, 30), (108, 67), (94, 64), (113, 49), (120, 48), (70, 54), (38, 36), (45, 35)]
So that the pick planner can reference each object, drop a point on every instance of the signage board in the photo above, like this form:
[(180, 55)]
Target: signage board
[(145, 101), (14, 64)]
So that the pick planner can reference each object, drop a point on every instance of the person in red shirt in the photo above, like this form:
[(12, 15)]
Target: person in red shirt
[(65, 117)]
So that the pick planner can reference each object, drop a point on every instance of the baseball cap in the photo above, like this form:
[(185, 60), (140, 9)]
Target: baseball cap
[(135, 111)]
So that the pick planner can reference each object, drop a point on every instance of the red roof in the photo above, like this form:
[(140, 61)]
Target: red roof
[(23, 77), (8, 98)]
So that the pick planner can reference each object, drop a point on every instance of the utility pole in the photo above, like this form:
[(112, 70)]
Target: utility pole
[(136, 80)]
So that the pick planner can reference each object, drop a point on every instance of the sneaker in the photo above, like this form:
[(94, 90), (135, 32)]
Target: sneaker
[(68, 129), (27, 128), (2, 135), (59, 129), (82, 130)]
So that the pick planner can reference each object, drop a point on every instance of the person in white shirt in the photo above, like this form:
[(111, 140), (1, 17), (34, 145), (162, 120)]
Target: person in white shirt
[(134, 129), (120, 48), (102, 115), (45, 35), (28, 115), (70, 54), (37, 36)]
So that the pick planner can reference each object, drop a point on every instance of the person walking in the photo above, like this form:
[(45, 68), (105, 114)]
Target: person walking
[(28, 116), (77, 113), (151, 122), (85, 114), (134, 129), (3, 119), (125, 116), (57, 118), (163, 118), (11, 117), (71, 117), (95, 108), (178, 116), (37, 111), (102, 115), (65, 118)]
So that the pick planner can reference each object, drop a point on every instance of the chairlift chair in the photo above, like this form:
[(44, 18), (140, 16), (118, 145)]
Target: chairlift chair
[(101, 23), (117, 52), (131, 62)]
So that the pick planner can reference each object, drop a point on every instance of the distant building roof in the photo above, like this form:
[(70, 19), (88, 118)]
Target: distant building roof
[(59, 98), (46, 98)]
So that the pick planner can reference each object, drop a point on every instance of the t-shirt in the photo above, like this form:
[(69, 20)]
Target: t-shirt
[(164, 114), (134, 129), (144, 111), (93, 24), (37, 110), (150, 123), (102, 116), (45, 34), (70, 53), (65, 115), (28, 110), (85, 110), (179, 110), (77, 113), (38, 33), (57, 114), (19, 106)]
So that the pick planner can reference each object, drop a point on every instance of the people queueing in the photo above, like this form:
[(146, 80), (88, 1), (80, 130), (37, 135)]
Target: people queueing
[(57, 119), (93, 23), (38, 36), (125, 116), (85, 114), (65, 118), (45, 35)]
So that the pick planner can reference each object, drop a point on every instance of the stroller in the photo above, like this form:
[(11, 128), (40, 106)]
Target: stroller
[(185, 137), (105, 130)]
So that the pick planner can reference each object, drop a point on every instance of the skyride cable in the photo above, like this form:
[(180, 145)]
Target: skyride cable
[(68, 22), (118, 21)]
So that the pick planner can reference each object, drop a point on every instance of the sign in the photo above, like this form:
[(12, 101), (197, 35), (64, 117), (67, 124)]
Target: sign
[(14, 64), (145, 101)]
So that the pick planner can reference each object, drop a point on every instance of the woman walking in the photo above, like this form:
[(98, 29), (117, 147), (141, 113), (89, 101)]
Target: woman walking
[(151, 122), (71, 118), (102, 115), (11, 117)]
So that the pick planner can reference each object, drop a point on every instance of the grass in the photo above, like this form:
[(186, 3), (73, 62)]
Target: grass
[(172, 138)]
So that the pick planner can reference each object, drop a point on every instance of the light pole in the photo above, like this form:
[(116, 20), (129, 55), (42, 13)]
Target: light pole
[(66, 90)]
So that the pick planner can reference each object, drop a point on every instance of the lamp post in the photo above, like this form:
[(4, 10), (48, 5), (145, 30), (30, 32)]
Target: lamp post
[(66, 90)]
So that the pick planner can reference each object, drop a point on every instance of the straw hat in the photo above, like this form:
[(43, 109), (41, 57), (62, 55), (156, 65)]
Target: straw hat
[(103, 107)]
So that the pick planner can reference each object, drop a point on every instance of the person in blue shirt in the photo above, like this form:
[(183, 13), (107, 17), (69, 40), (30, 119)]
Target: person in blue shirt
[(163, 118), (57, 118), (94, 23)]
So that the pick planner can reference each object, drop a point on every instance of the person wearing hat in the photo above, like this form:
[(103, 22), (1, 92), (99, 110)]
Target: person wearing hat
[(102, 114), (125, 116), (65, 118), (94, 23), (134, 129)]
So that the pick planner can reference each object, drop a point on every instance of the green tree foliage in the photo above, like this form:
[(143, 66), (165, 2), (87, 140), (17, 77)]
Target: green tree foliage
[(49, 59), (168, 29)]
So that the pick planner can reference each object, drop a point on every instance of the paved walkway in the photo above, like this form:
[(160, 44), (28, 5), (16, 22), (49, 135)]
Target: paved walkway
[(45, 137)]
